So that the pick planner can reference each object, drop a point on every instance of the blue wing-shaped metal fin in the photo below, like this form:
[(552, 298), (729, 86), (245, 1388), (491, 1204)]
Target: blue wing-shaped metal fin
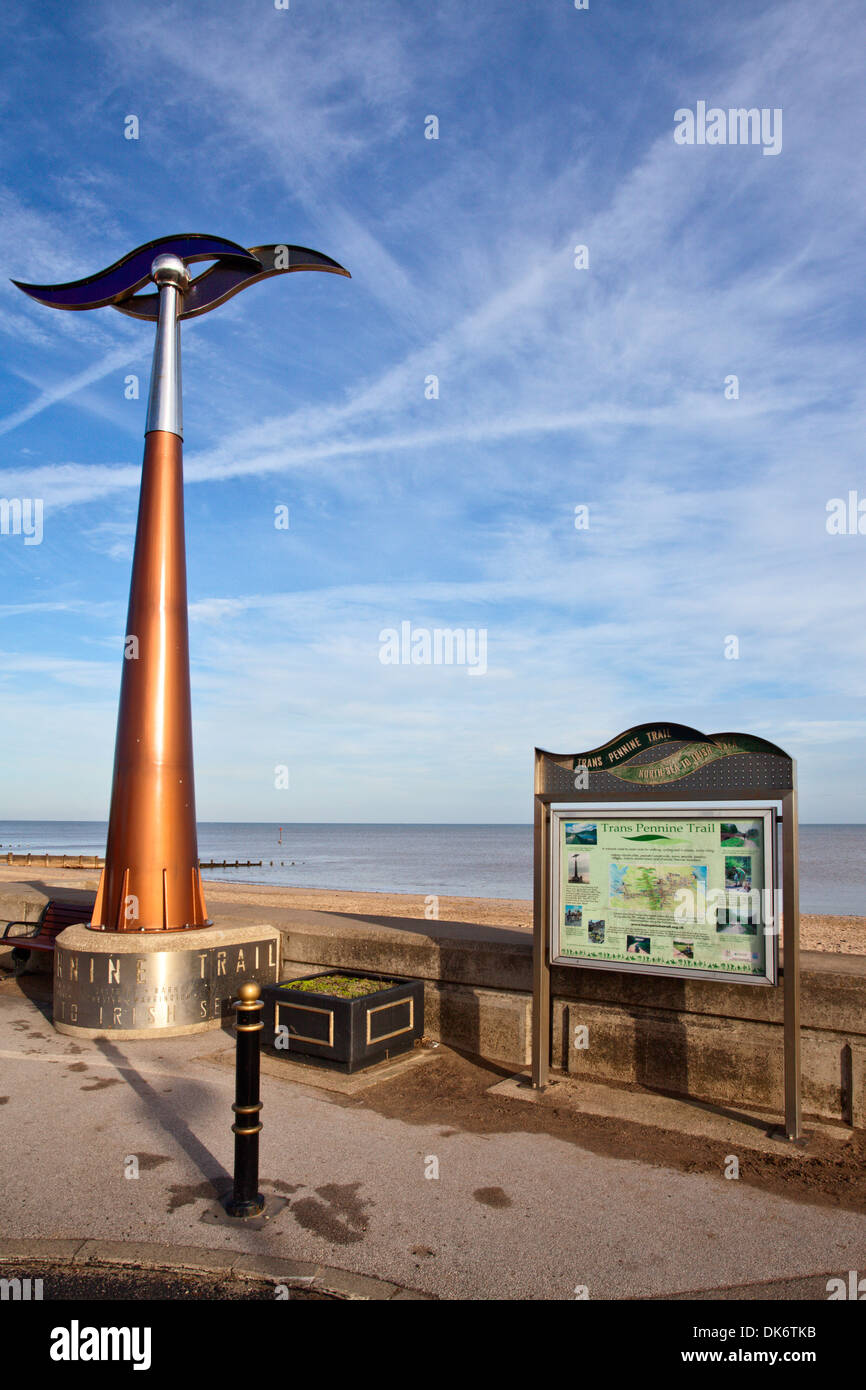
[(229, 276), (132, 272)]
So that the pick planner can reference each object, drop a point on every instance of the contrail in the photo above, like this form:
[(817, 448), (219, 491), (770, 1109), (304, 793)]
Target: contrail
[(118, 358)]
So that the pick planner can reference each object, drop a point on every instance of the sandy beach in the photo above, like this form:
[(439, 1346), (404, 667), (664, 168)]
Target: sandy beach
[(817, 933)]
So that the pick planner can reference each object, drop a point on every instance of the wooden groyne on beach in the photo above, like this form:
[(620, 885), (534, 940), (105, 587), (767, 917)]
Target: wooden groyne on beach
[(231, 864), (56, 861), (94, 861)]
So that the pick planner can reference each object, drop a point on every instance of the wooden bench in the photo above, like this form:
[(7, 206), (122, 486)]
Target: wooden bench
[(56, 917)]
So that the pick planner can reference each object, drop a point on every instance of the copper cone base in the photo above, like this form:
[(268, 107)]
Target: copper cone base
[(151, 880), (126, 904)]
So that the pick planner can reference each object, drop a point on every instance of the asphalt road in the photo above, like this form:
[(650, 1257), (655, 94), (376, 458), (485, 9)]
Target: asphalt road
[(514, 1215)]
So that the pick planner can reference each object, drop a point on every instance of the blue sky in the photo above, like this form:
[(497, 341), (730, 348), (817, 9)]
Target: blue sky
[(559, 387)]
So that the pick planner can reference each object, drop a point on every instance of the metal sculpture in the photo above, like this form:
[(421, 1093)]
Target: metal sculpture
[(151, 880)]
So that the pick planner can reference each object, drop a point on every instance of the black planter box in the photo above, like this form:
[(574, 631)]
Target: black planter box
[(346, 1033)]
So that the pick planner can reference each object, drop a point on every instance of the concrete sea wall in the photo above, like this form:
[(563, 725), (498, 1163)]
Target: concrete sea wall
[(715, 1041)]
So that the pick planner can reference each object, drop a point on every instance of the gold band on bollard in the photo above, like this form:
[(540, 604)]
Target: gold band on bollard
[(249, 1005)]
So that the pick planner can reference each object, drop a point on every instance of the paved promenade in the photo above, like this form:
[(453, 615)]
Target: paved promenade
[(515, 1212)]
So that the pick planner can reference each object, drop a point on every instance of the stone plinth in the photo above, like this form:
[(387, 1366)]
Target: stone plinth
[(144, 984)]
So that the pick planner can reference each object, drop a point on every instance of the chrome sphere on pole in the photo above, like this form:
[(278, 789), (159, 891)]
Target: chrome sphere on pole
[(170, 270)]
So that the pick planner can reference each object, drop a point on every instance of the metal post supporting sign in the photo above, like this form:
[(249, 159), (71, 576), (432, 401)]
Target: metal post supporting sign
[(627, 835)]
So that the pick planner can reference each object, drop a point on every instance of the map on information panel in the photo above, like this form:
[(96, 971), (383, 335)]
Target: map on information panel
[(689, 894)]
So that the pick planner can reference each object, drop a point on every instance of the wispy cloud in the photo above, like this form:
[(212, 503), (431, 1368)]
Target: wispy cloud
[(556, 387)]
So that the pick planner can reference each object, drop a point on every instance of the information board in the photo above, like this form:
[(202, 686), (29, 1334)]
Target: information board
[(666, 892)]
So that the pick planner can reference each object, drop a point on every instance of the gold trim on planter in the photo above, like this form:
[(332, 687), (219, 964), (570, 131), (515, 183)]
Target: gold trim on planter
[(394, 1004), (307, 1008)]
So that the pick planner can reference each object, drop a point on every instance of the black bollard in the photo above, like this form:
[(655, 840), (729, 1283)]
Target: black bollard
[(246, 1200)]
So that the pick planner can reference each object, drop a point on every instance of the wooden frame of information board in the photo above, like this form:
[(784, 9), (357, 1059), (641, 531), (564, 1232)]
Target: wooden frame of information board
[(645, 768)]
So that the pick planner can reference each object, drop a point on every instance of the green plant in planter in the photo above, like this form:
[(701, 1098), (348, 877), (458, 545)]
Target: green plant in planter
[(339, 986)]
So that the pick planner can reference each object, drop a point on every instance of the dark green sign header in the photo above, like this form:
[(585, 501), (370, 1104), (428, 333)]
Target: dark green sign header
[(617, 757)]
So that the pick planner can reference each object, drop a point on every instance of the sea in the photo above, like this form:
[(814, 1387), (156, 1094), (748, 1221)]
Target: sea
[(476, 861)]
